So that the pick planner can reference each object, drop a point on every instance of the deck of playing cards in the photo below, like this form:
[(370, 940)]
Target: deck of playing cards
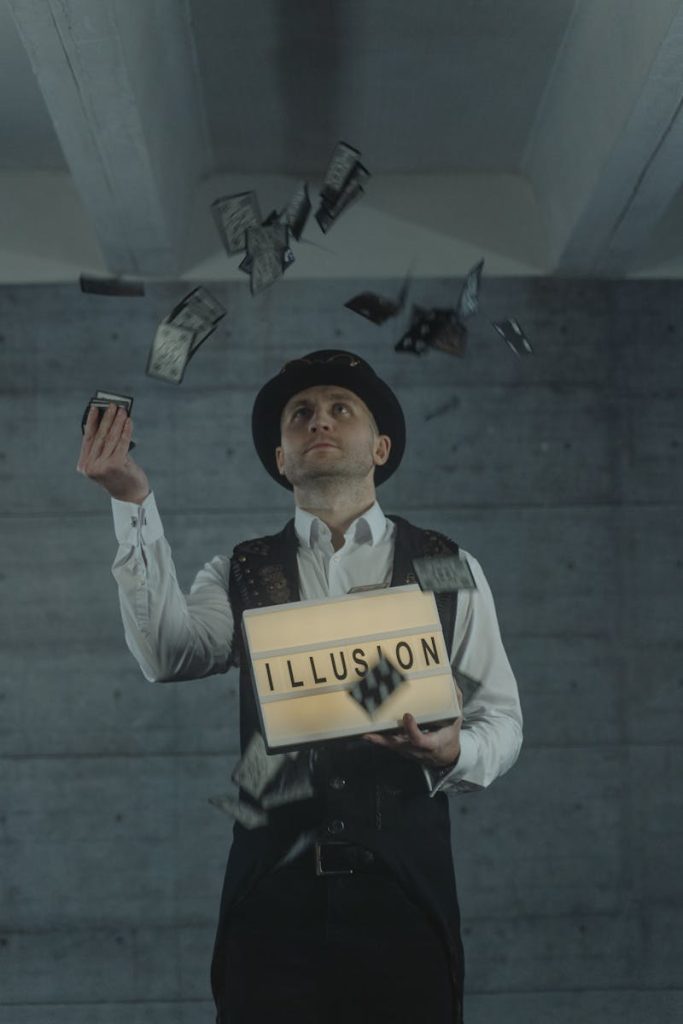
[(377, 686), (102, 400), (444, 573), (343, 184), (181, 334)]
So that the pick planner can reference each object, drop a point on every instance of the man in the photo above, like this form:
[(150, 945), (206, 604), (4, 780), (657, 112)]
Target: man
[(342, 906)]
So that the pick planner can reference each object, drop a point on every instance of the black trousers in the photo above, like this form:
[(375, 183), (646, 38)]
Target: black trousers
[(332, 949)]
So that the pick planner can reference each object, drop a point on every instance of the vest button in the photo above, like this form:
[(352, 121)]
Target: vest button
[(335, 827), (337, 782)]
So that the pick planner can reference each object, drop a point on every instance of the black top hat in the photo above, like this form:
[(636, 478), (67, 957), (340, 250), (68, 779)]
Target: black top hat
[(329, 366)]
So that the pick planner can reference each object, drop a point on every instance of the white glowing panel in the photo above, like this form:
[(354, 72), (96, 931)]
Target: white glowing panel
[(306, 655)]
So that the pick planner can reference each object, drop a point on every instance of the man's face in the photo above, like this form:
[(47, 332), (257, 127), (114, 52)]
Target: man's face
[(326, 432)]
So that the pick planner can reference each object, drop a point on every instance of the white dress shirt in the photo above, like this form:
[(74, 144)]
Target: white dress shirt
[(176, 636)]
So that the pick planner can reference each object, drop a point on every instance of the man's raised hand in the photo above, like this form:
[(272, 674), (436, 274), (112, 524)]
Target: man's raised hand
[(104, 455)]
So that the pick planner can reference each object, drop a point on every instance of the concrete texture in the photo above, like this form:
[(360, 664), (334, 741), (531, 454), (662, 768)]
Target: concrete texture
[(561, 473)]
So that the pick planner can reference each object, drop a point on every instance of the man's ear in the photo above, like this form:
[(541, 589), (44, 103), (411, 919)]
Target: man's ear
[(280, 460), (382, 449)]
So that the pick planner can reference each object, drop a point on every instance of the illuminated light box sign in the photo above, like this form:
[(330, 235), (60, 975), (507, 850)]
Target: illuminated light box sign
[(305, 656)]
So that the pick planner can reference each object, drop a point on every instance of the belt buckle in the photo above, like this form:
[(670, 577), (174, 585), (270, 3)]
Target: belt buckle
[(320, 869)]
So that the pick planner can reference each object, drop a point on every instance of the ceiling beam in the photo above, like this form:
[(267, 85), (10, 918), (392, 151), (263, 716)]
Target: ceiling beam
[(120, 82), (605, 155)]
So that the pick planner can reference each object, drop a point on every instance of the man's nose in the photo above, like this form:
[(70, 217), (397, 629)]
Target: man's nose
[(319, 420)]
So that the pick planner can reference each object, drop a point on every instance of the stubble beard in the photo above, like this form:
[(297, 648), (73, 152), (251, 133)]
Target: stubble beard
[(323, 485)]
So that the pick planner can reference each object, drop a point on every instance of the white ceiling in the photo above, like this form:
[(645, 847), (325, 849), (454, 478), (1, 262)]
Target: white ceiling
[(545, 135)]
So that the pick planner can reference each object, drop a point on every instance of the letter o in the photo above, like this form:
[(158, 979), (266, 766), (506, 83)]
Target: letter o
[(411, 656)]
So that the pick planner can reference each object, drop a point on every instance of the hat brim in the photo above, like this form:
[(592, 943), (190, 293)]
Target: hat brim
[(301, 374)]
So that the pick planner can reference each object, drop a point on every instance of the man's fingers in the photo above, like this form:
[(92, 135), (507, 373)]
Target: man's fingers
[(121, 448), (104, 440), (114, 434), (415, 734), (91, 422)]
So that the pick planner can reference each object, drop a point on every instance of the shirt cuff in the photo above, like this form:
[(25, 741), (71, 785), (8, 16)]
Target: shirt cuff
[(455, 779), (137, 524)]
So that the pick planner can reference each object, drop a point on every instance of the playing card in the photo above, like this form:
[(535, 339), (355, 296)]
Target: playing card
[(445, 332), (343, 184), (415, 338), (199, 311), (170, 353), (111, 286), (444, 573), (246, 814), (376, 686), (297, 211), (327, 214), (343, 160), (266, 247), (257, 768), (373, 307), (468, 303), (515, 337), (293, 782), (233, 215), (265, 270)]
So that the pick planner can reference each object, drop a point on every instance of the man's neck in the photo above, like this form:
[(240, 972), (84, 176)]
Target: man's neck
[(336, 507)]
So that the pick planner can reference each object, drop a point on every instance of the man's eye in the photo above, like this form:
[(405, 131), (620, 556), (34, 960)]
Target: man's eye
[(341, 407), (298, 413)]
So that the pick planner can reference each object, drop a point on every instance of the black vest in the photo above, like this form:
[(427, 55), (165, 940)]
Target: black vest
[(381, 799)]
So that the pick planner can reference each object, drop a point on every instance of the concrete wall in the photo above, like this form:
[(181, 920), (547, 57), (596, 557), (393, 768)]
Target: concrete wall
[(561, 472)]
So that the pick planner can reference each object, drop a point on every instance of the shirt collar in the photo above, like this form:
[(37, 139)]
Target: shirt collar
[(368, 528)]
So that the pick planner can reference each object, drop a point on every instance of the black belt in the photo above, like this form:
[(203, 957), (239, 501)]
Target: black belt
[(336, 859)]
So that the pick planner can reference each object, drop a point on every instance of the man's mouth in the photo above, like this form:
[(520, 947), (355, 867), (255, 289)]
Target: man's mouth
[(321, 444)]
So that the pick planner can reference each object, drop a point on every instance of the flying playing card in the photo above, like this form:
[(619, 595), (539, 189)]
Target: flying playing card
[(343, 184), (200, 312), (415, 338), (111, 286), (267, 246), (468, 303), (342, 162), (434, 328), (444, 573), (512, 333), (373, 307), (297, 211), (170, 352), (292, 783), (256, 769), (446, 332), (246, 814), (376, 686), (233, 215)]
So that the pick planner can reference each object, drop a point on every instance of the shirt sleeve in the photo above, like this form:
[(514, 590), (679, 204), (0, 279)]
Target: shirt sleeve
[(491, 734), (172, 635)]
